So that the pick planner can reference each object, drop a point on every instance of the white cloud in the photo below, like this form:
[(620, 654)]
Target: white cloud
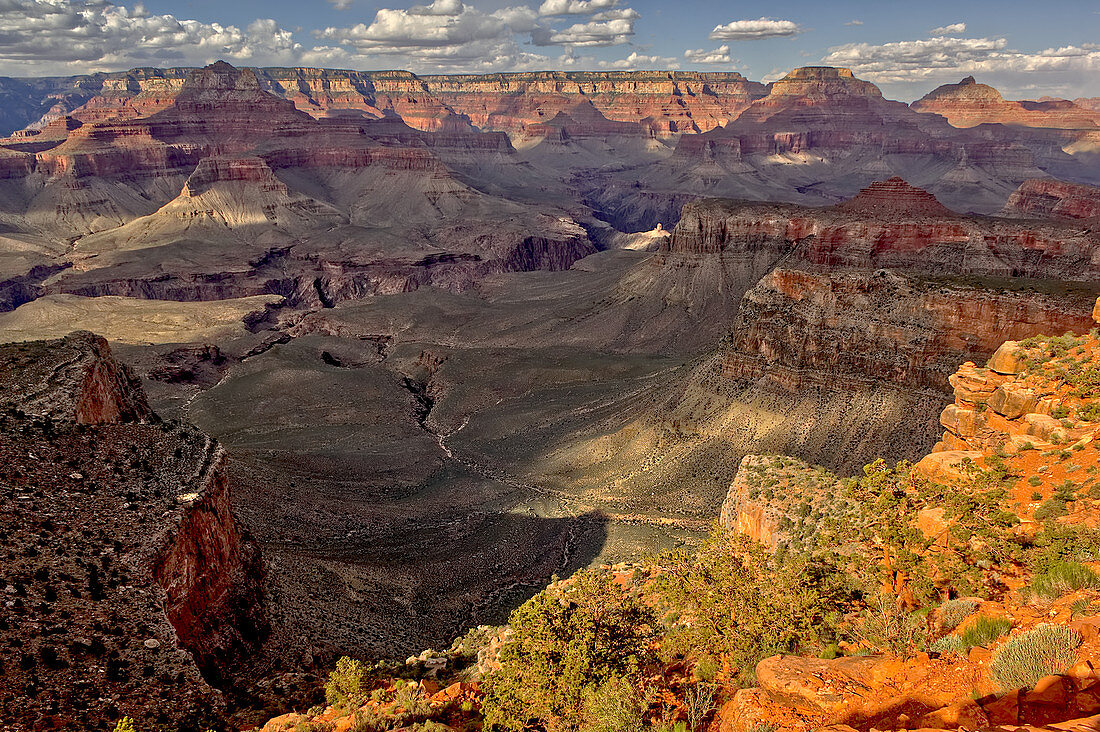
[(44, 36), (574, 7), (595, 33), (618, 14), (340, 4), (640, 61), (854, 22), (753, 30), (915, 66), (445, 24), (949, 30), (720, 55)]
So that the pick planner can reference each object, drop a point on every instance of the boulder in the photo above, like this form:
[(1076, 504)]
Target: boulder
[(966, 714), (1005, 360), (948, 466), (960, 420), (1049, 702), (816, 684), (1012, 401), (1043, 426)]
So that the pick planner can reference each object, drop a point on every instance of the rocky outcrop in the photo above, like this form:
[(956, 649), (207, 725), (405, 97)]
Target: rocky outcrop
[(211, 575), (1047, 198), (122, 531), (72, 379), (969, 103), (799, 328)]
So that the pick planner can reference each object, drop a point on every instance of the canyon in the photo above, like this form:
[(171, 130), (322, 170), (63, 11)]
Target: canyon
[(403, 348)]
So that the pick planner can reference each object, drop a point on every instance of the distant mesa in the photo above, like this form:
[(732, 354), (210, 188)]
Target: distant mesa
[(895, 197), (969, 103)]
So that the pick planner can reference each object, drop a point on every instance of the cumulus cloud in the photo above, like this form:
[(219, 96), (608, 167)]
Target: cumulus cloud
[(43, 35), (574, 7), (594, 33), (915, 66), (720, 55), (640, 61), (445, 24), (949, 30), (754, 30), (854, 22)]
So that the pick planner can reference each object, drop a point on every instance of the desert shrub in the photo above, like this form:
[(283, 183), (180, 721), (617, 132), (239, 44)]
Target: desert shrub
[(983, 631), (125, 725), (1090, 412), (617, 706), (706, 668), (314, 727), (947, 645), (953, 612), (699, 701), (748, 603), (1062, 578), (348, 682), (567, 642), (409, 706), (1053, 507), (1029, 656), (429, 726), (888, 628), (1034, 480)]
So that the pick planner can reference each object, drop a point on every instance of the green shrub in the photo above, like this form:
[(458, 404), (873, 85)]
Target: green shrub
[(1051, 508), (1062, 578), (348, 683), (947, 645), (1034, 480), (983, 631), (617, 706), (567, 642), (1029, 656), (706, 668), (953, 612)]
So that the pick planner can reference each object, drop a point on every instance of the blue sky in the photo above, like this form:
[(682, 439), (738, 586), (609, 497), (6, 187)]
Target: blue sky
[(1026, 49)]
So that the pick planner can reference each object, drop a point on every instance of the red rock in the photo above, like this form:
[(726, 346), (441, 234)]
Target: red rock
[(1004, 709), (966, 714), (1048, 198), (1048, 702)]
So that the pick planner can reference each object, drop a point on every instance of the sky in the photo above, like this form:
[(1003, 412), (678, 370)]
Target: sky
[(1025, 49)]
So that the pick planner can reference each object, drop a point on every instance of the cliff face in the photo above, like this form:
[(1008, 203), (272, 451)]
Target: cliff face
[(121, 531), (72, 379), (1054, 199), (671, 102), (211, 575), (897, 226)]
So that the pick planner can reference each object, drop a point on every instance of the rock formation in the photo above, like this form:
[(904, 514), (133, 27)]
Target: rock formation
[(129, 589), (1047, 198), (969, 103)]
